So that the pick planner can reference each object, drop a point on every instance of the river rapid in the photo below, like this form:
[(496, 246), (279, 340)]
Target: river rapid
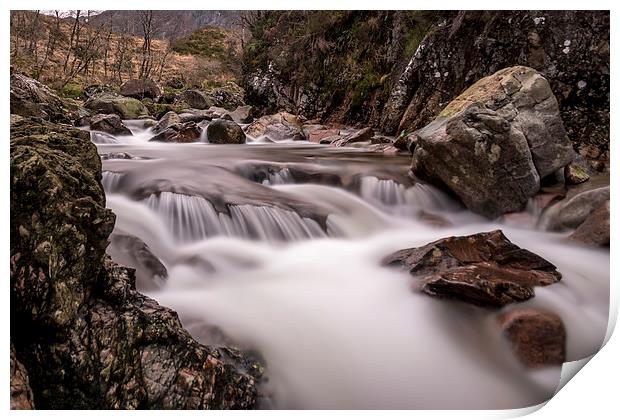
[(276, 248)]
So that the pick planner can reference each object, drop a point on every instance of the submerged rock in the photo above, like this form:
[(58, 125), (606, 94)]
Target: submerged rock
[(86, 338), (223, 131), (537, 338), (141, 88), (280, 126), (113, 103), (595, 230), (109, 123), (493, 144), (484, 269)]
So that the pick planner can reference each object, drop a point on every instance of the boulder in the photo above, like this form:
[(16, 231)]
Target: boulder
[(195, 115), (538, 338), (30, 98), (109, 123), (572, 212), (280, 126), (493, 144), (179, 133), (594, 230), (222, 131), (141, 88), (196, 99), (315, 136), (575, 174), (484, 269), (86, 338), (166, 121), (405, 143), (113, 103), (242, 114)]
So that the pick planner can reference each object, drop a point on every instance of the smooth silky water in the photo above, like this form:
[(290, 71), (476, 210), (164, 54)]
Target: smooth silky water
[(291, 270)]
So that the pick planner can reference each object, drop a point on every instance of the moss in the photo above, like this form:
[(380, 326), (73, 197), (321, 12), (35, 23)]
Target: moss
[(72, 90)]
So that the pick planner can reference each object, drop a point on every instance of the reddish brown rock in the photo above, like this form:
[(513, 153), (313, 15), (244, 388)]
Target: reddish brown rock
[(595, 229), (484, 269), (538, 338)]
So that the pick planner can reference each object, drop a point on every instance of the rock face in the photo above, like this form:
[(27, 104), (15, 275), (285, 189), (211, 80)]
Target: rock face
[(85, 336), (493, 144), (21, 393), (113, 103), (30, 98), (141, 88), (279, 126), (538, 338), (109, 123), (222, 131), (484, 269), (595, 229)]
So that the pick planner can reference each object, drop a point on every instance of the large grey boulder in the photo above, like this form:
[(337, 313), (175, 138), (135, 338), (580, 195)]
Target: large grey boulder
[(570, 213), (492, 145), (113, 103), (280, 126)]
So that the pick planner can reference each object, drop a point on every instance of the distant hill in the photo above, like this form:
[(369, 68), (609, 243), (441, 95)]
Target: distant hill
[(170, 24)]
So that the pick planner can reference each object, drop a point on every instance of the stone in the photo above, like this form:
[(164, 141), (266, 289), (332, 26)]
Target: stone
[(166, 121), (363, 135), (113, 103), (179, 133), (242, 114), (280, 126), (222, 131), (196, 99), (575, 174), (595, 230), (538, 338), (80, 330), (31, 98), (484, 269), (493, 144), (572, 212), (141, 88), (109, 123)]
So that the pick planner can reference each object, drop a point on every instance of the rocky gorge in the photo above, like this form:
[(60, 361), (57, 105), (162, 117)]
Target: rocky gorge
[(172, 250)]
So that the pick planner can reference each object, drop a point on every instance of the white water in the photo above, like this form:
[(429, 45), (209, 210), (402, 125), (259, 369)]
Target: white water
[(335, 328)]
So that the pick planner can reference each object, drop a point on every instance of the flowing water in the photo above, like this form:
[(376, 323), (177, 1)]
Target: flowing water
[(278, 248)]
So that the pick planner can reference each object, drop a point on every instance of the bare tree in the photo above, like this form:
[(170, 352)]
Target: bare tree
[(146, 22)]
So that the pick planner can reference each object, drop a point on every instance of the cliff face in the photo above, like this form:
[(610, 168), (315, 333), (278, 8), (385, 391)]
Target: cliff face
[(399, 76)]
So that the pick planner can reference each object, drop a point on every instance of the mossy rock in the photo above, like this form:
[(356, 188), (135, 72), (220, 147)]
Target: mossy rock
[(111, 103), (72, 90)]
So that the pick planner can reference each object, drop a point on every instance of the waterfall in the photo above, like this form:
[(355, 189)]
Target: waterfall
[(110, 180), (385, 191), (283, 176), (191, 218)]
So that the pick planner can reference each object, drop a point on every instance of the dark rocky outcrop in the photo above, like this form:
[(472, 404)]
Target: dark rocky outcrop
[(109, 123), (113, 103), (484, 269), (21, 393), (141, 88), (538, 338), (279, 126), (223, 131), (493, 144), (85, 337)]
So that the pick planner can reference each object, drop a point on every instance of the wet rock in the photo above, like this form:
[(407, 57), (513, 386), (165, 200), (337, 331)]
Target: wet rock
[(537, 338), (570, 213), (493, 144), (242, 114), (222, 131), (363, 135), (113, 103), (30, 98), (21, 393), (170, 118), (575, 174), (109, 123), (179, 133), (405, 143), (280, 126), (141, 88), (130, 251), (85, 336), (117, 155), (594, 230), (484, 269), (196, 99), (380, 140)]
